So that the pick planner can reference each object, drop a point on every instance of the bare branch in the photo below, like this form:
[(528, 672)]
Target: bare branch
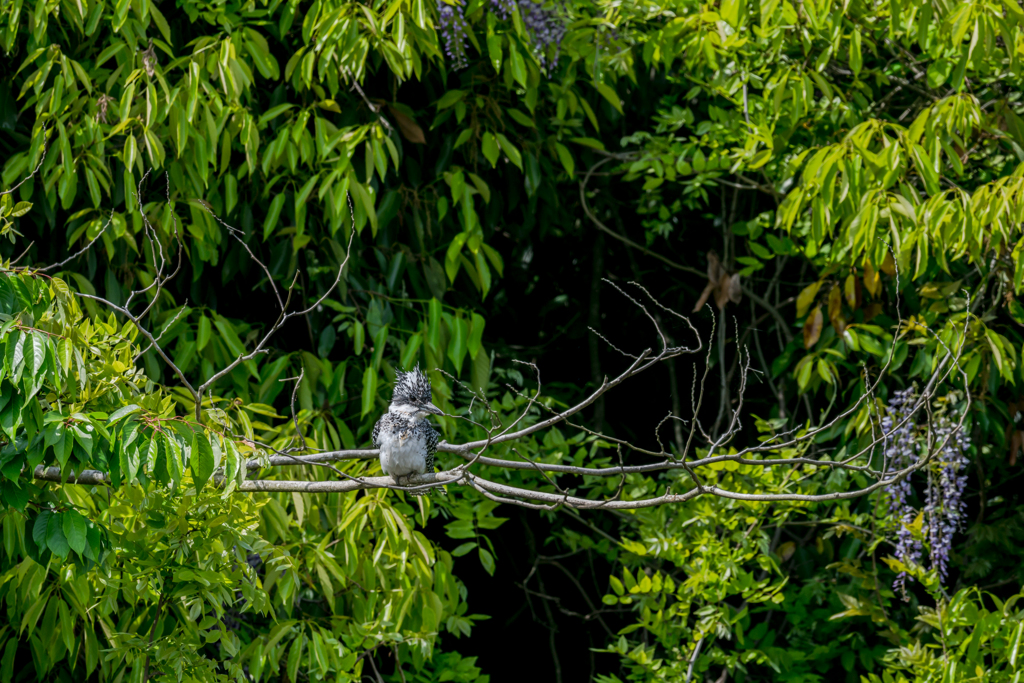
[(81, 251)]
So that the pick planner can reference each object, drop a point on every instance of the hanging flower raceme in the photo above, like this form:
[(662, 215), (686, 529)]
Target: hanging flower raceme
[(904, 445), (945, 506), (900, 452), (453, 30), (546, 26)]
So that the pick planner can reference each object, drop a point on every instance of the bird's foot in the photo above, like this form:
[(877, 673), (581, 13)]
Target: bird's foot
[(404, 482)]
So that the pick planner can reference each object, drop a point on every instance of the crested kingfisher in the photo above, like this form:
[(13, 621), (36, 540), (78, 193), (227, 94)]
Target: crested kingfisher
[(407, 442)]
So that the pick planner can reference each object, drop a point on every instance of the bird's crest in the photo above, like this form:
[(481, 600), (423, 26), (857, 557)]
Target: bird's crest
[(411, 387)]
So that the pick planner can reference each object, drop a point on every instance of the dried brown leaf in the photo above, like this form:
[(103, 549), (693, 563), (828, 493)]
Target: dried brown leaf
[(871, 310), (786, 550), (835, 309), (806, 297), (722, 291), (704, 296), (724, 286), (812, 327), (410, 129), (888, 265), (850, 290), (714, 267), (872, 281), (735, 289)]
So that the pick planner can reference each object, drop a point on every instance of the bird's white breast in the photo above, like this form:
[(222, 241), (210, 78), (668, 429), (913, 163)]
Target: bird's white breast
[(403, 452)]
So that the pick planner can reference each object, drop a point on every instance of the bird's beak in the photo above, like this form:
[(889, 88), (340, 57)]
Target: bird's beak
[(431, 408)]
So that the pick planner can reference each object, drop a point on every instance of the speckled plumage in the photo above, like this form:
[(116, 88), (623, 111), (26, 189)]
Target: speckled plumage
[(407, 442)]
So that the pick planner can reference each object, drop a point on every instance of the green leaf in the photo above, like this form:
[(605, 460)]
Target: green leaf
[(609, 94), (588, 142), (1016, 311), (229, 337), (463, 138), (476, 333), (55, 539), (487, 560), (856, 60), (480, 371), (490, 148), (203, 333), (130, 459), (295, 657), (201, 461), (172, 450), (365, 200), (924, 166), (521, 118), (451, 259), (379, 344), (517, 64), (358, 336), (62, 449), (434, 326), (20, 209), (511, 151), (938, 72), (15, 496), (270, 222), (273, 113), (410, 351), (14, 356), (7, 663), (75, 529), (122, 412), (304, 192), (494, 257), (39, 527), (731, 12), (565, 156), (36, 355), (369, 390), (494, 50), (450, 98), (234, 465), (84, 436), (481, 187), (326, 342), (457, 344), (464, 549)]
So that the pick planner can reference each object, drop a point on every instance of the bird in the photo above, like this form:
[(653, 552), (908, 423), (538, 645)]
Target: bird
[(407, 442)]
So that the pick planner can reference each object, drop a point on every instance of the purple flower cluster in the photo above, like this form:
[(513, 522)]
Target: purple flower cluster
[(900, 448), (546, 28), (453, 30), (503, 8), (944, 505), (545, 24)]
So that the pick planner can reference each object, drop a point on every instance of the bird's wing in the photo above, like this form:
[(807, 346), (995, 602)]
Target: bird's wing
[(376, 430), (431, 443)]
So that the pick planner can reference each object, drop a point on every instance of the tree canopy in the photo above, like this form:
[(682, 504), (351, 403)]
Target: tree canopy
[(720, 301)]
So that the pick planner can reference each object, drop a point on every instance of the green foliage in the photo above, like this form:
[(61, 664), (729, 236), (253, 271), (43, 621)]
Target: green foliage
[(152, 571), (861, 161), (972, 636)]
